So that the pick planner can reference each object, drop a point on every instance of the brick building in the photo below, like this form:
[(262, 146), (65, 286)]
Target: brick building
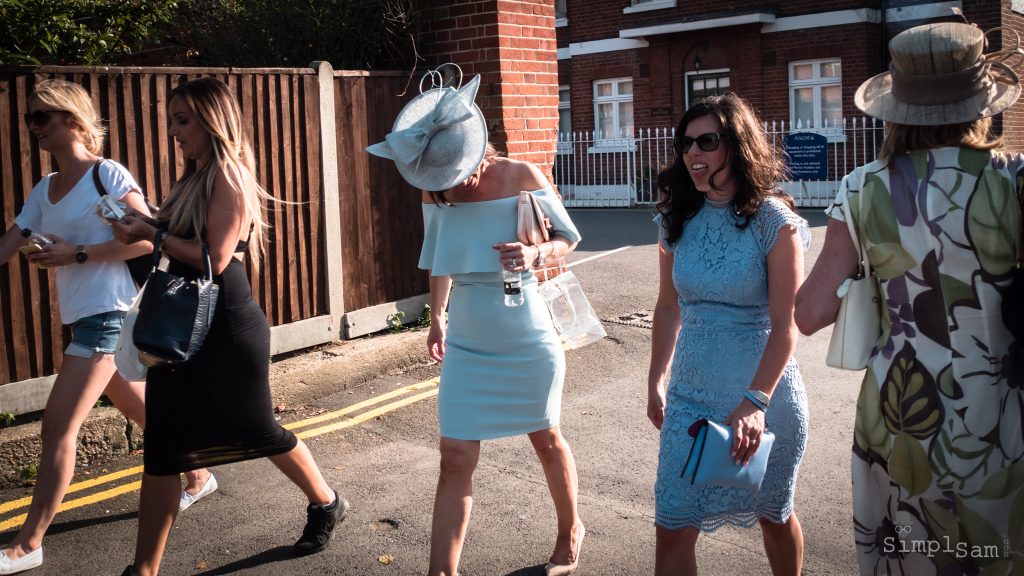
[(626, 64)]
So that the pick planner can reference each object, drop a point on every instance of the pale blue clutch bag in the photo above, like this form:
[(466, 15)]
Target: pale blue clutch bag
[(711, 463)]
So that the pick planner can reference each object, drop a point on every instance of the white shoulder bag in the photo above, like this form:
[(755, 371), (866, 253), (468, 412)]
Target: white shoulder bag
[(126, 355), (858, 324)]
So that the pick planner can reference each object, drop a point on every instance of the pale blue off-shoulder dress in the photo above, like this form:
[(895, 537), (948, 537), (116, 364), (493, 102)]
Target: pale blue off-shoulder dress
[(503, 366), (720, 272)]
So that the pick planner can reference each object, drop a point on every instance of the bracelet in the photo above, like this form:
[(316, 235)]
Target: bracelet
[(757, 398)]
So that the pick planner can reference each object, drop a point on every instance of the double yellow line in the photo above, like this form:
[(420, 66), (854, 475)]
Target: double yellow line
[(329, 422)]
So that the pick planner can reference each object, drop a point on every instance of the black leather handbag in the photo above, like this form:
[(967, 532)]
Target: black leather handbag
[(174, 313)]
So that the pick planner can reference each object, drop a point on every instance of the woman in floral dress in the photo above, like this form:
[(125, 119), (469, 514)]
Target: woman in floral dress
[(938, 453)]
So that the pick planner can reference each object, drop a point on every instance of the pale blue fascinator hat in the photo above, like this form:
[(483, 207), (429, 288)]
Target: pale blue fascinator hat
[(439, 138)]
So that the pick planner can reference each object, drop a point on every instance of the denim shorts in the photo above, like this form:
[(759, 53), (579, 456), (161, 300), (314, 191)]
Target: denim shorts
[(96, 333)]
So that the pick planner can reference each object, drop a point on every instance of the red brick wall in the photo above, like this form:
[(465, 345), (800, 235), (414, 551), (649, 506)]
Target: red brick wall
[(511, 44), (857, 45), (757, 63), (586, 69), (600, 19), (1013, 119), (529, 75)]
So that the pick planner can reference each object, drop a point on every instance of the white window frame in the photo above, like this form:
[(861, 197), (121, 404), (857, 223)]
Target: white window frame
[(715, 71), (645, 5), (560, 20), (816, 83), (615, 98), (564, 147)]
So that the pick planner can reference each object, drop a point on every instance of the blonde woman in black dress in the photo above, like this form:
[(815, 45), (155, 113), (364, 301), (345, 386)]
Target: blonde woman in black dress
[(93, 291), (216, 408)]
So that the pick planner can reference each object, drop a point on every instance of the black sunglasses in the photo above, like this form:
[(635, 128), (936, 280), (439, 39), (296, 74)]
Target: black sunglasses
[(39, 117), (706, 142)]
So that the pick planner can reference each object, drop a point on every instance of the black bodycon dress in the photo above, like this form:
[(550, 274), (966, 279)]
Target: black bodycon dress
[(216, 408)]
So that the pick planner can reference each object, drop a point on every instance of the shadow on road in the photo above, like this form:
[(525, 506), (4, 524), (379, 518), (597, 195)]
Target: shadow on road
[(528, 571), (61, 527), (278, 554)]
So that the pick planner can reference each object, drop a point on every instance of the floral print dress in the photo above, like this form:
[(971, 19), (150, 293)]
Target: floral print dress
[(938, 453)]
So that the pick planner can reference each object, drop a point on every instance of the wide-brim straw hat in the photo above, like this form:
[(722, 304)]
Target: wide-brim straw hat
[(940, 75), (438, 139)]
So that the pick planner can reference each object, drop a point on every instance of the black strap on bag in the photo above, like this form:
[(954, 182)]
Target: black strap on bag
[(175, 313), (139, 266)]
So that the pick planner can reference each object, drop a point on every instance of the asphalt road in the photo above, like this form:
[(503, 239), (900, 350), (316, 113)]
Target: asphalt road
[(382, 456)]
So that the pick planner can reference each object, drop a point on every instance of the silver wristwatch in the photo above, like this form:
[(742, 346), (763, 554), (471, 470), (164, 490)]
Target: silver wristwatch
[(761, 396)]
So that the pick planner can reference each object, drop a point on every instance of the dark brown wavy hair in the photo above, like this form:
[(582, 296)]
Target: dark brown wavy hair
[(756, 165)]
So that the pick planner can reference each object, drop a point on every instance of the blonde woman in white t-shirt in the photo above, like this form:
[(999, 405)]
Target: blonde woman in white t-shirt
[(94, 289)]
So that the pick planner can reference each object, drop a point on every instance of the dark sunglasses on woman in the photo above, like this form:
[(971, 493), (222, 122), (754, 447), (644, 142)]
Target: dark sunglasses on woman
[(39, 117), (706, 142)]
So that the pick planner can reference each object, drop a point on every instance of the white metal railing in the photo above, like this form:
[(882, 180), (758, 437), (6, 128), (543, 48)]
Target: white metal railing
[(594, 172), (851, 143)]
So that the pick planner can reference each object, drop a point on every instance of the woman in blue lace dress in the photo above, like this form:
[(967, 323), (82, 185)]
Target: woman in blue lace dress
[(731, 260)]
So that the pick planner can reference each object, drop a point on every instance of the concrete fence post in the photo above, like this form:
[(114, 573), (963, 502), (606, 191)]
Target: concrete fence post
[(331, 195)]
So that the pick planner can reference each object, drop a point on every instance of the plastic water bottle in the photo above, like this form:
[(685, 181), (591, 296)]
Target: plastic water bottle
[(513, 287)]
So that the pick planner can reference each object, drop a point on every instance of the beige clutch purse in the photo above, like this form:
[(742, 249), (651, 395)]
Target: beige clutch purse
[(535, 228)]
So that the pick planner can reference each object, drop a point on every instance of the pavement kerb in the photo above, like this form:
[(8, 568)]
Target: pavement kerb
[(295, 380)]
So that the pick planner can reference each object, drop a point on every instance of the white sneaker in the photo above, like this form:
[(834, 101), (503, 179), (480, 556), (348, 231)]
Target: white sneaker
[(188, 499), (33, 559)]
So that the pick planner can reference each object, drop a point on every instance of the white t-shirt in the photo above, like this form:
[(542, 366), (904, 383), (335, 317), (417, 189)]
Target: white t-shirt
[(92, 287)]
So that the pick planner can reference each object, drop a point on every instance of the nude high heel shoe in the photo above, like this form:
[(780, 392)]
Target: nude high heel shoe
[(552, 569)]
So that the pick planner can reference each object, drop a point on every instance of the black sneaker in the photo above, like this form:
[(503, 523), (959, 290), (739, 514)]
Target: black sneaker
[(129, 571), (320, 523)]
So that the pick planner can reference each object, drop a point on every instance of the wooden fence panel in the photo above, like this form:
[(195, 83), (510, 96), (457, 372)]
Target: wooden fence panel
[(281, 108), (381, 221)]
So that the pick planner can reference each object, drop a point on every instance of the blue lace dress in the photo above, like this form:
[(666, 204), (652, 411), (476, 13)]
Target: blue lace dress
[(720, 273)]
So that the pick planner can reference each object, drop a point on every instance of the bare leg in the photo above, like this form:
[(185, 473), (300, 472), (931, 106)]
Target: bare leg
[(560, 470), (298, 465), (452, 505), (676, 552), (77, 387), (158, 507), (195, 480), (130, 399), (784, 545)]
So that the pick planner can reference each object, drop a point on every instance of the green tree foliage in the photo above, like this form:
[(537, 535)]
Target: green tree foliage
[(87, 32), (355, 34)]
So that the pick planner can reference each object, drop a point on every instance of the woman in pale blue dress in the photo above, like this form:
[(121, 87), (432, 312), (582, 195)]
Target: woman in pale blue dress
[(502, 367), (731, 260)]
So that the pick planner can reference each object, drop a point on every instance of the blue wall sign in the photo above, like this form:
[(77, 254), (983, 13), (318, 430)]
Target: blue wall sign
[(807, 156)]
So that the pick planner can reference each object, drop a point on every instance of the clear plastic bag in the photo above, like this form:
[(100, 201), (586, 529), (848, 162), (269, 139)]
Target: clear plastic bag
[(571, 313)]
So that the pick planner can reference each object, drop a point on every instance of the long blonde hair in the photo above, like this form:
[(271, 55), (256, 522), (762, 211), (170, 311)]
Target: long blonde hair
[(73, 99), (902, 138), (217, 110)]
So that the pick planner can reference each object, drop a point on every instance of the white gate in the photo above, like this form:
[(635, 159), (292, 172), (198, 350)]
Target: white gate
[(594, 172)]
